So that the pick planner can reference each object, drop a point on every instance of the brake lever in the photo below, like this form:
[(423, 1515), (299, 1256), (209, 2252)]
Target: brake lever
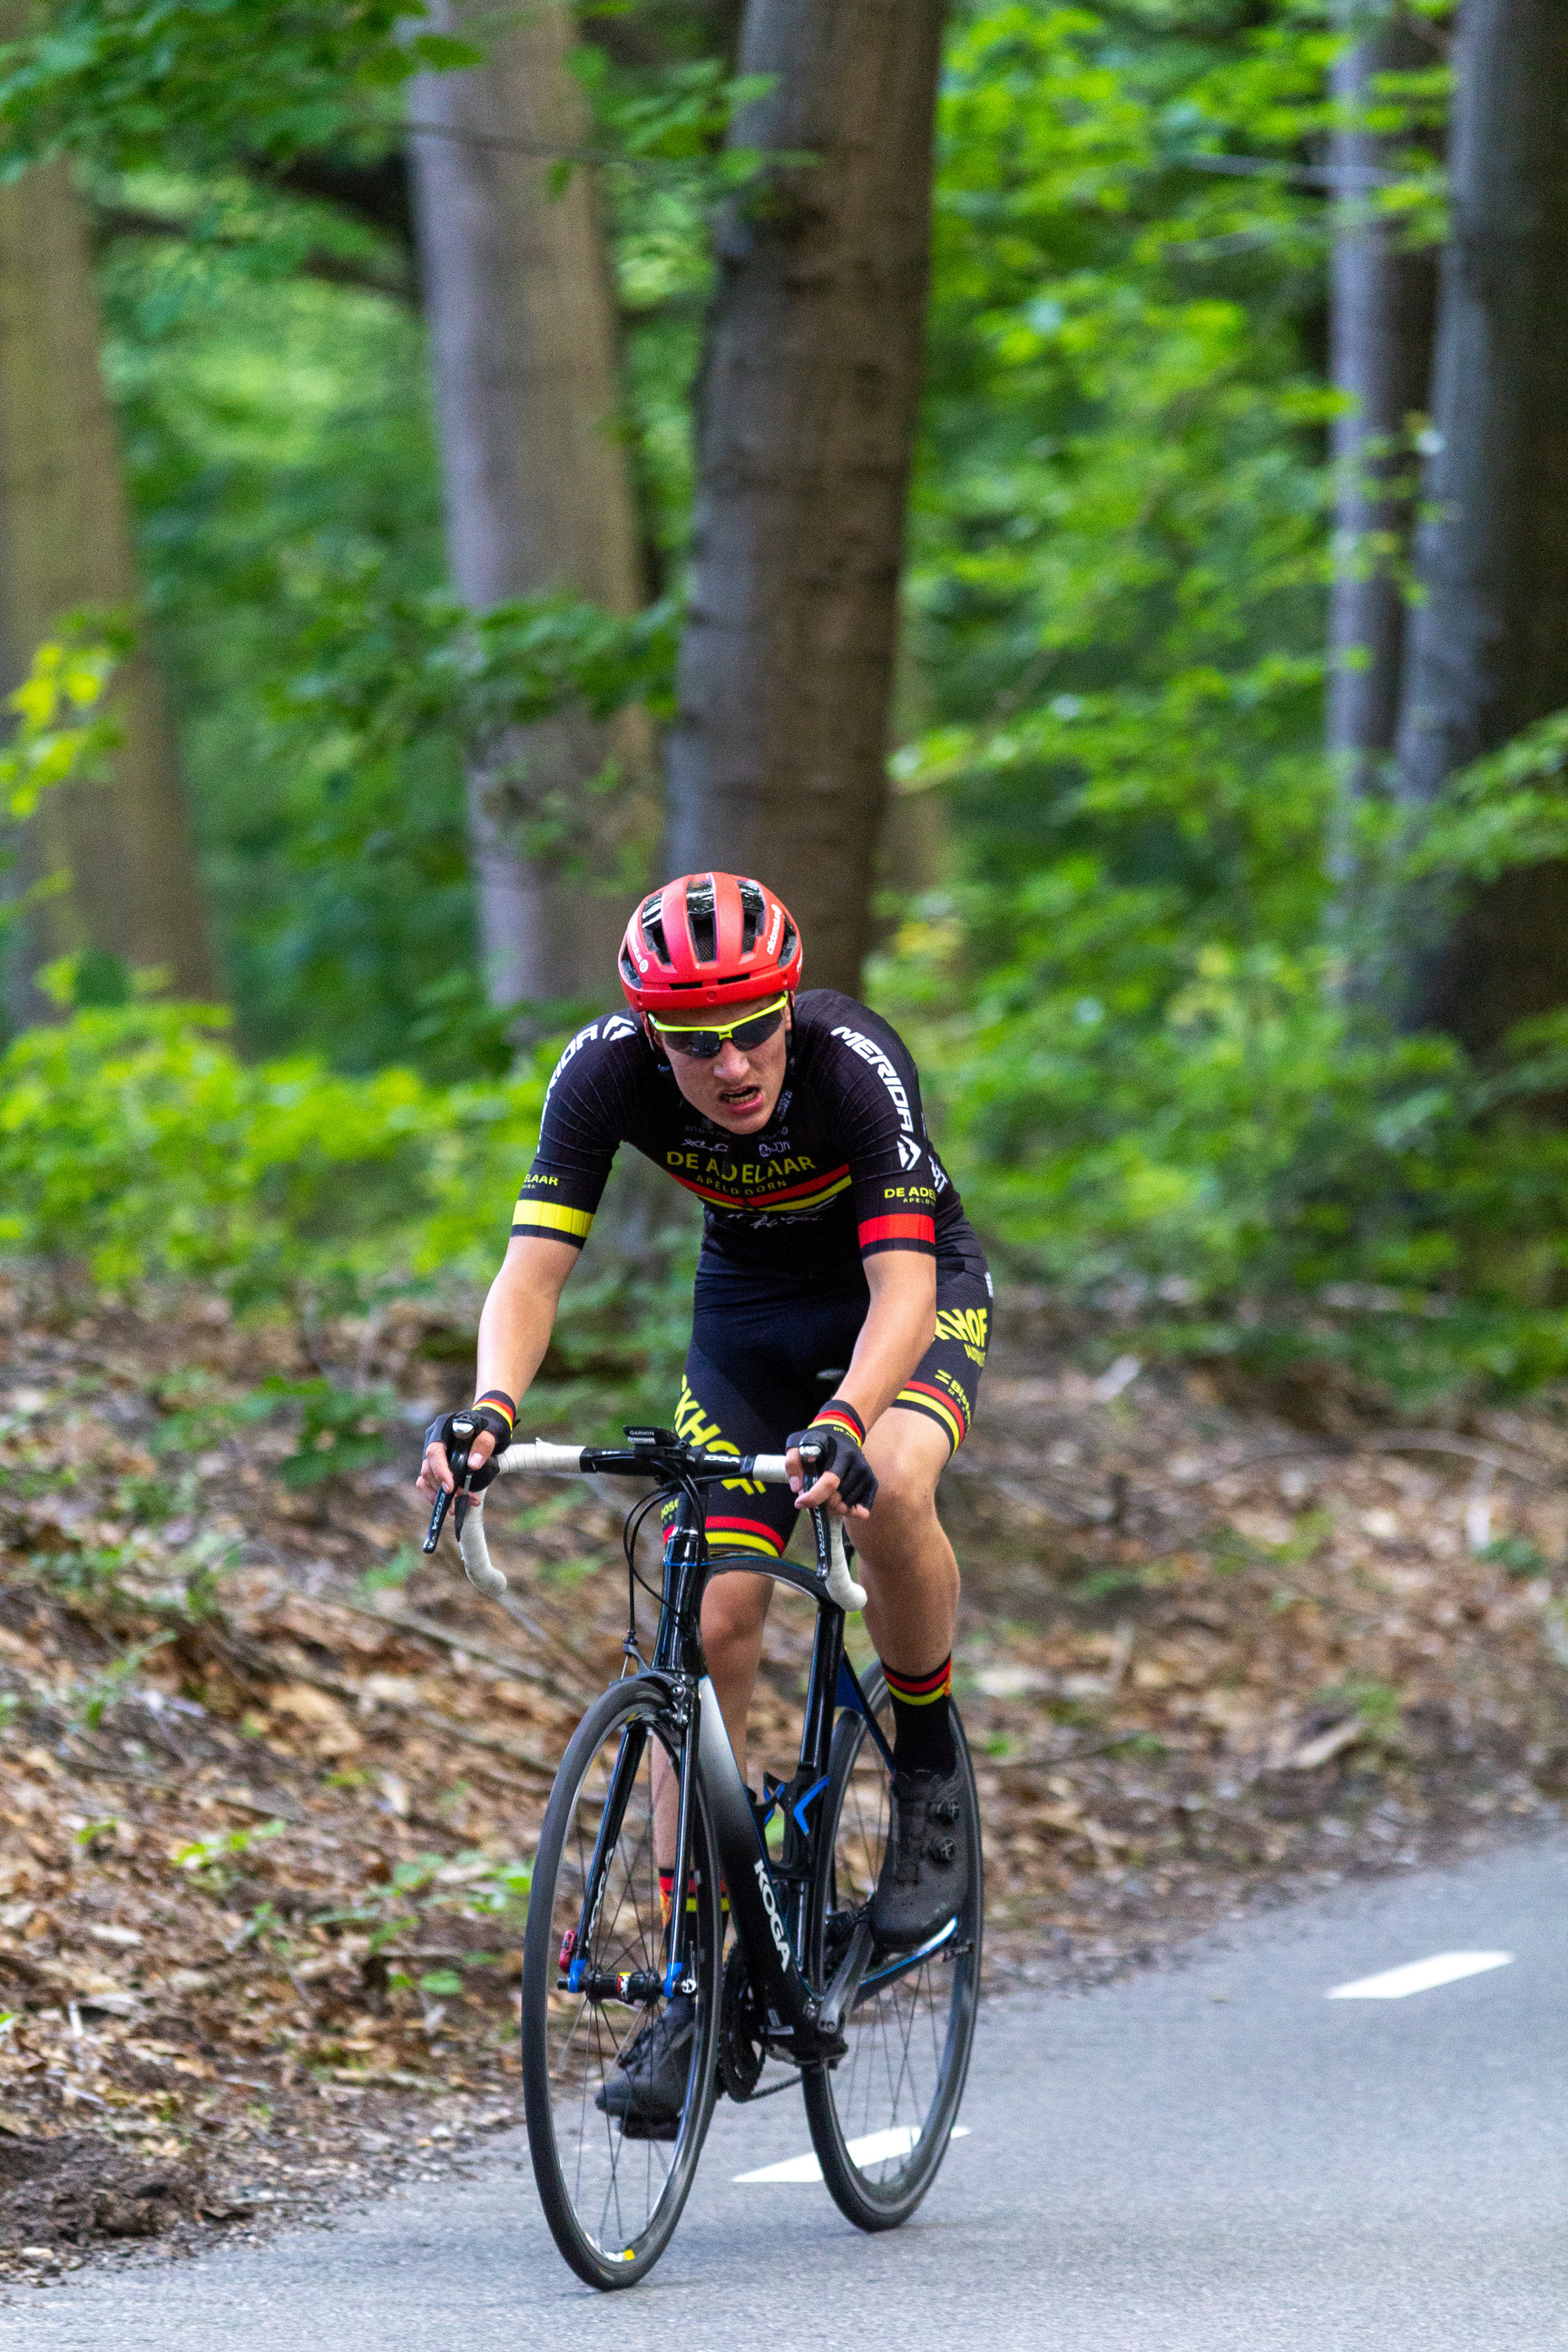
[(438, 1515), (458, 1463)]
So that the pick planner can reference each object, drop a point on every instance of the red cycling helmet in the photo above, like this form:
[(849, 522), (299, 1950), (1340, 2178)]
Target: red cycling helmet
[(709, 939)]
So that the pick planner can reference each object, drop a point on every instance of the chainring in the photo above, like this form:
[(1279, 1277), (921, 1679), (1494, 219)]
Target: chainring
[(741, 2052)]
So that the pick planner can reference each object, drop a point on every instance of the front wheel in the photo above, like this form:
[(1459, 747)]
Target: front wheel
[(612, 2189), (882, 2118)]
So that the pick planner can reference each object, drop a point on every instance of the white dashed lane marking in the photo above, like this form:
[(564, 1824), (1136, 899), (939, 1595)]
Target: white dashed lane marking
[(1420, 1976), (873, 2149)]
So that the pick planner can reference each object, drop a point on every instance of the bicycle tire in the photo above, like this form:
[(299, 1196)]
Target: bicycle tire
[(882, 2116), (611, 2198)]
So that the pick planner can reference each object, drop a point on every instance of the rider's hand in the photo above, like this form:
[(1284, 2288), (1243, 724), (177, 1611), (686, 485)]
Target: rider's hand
[(493, 1436), (846, 1482)]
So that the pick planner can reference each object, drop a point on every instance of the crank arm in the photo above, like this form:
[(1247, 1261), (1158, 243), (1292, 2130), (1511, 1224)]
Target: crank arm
[(840, 1996)]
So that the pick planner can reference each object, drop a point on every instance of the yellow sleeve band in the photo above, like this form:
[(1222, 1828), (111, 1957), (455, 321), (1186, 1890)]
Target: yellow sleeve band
[(550, 1217)]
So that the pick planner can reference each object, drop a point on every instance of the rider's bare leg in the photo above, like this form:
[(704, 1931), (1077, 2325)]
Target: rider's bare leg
[(906, 1562)]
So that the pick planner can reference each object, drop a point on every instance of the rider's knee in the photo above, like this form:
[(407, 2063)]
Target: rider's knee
[(905, 1492)]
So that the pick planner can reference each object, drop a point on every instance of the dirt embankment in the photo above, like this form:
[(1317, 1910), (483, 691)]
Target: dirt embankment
[(272, 1780)]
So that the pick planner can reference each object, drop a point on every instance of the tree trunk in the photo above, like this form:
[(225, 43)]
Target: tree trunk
[(1382, 309), (1489, 647), (538, 493), (65, 541), (806, 423)]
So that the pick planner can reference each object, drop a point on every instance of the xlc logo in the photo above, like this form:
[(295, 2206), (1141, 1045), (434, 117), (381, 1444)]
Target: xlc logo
[(775, 1924), (909, 1154), (885, 1071)]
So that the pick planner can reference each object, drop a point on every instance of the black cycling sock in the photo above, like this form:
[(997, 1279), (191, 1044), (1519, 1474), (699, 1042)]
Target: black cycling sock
[(922, 1720)]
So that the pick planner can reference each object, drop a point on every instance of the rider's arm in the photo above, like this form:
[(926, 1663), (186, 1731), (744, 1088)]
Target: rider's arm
[(898, 1330), (514, 1332), (899, 1325), (592, 1102)]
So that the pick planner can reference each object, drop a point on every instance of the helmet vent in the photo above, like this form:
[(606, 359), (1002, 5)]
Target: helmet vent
[(701, 915), (787, 944), (753, 909), (653, 927)]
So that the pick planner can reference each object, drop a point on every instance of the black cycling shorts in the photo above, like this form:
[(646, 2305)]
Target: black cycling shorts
[(765, 1354)]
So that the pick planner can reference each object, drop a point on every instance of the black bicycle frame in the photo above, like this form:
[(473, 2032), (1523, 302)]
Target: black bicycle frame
[(771, 1931), (770, 1904)]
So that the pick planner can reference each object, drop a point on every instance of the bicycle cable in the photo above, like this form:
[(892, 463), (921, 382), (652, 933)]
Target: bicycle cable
[(630, 1531)]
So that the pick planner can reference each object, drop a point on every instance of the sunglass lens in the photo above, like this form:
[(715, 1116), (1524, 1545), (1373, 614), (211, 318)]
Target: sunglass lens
[(757, 1032)]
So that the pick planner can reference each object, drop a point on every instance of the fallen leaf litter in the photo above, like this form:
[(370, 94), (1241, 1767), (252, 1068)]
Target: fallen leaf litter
[(273, 1780)]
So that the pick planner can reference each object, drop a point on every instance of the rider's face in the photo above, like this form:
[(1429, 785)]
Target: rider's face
[(736, 1090)]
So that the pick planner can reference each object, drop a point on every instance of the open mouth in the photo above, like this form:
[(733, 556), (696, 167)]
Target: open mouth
[(740, 1098)]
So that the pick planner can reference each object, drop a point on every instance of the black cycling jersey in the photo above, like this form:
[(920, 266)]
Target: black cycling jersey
[(845, 1154)]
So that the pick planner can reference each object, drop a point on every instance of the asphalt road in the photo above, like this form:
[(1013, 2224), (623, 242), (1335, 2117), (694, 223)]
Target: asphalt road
[(1215, 2160)]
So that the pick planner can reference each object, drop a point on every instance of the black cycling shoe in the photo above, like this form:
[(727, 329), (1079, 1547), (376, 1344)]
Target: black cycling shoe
[(925, 1869), (647, 2090)]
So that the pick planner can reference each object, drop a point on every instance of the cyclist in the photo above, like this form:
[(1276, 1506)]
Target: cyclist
[(840, 1289)]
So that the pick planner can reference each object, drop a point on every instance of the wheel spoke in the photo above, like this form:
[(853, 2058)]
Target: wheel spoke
[(605, 2190), (894, 2094)]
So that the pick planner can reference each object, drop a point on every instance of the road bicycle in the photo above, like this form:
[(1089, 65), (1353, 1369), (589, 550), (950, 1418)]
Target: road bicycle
[(879, 2041)]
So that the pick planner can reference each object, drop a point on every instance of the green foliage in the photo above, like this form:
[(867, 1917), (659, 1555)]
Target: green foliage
[(90, 1701), (213, 1858), (381, 676), (63, 729), (133, 79), (136, 1139), (1517, 1555), (280, 446), (62, 734), (1111, 701), (340, 1430), (1147, 1083), (1506, 810)]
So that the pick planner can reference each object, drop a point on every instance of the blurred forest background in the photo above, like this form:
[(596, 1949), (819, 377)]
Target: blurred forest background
[(457, 463)]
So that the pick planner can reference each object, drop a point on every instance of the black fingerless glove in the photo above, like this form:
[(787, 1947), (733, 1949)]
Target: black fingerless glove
[(456, 1431), (837, 1432)]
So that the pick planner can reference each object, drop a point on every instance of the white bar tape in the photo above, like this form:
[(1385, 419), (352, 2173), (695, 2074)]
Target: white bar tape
[(769, 1470), (537, 1453), (480, 1570), (841, 1586)]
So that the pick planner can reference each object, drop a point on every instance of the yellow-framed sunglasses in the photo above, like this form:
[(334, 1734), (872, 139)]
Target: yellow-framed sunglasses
[(705, 1044)]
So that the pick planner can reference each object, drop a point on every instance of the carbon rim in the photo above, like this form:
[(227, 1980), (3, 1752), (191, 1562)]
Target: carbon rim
[(882, 2116), (612, 2196)]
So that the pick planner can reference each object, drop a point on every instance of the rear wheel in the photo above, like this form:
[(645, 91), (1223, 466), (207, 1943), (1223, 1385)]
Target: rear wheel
[(882, 2118), (612, 2191)]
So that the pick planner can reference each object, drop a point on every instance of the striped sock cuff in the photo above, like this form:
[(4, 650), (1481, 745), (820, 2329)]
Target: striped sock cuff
[(920, 1690), (837, 1415), (666, 1894), (502, 1403)]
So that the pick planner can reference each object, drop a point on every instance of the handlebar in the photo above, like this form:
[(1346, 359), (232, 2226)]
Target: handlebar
[(538, 1456)]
